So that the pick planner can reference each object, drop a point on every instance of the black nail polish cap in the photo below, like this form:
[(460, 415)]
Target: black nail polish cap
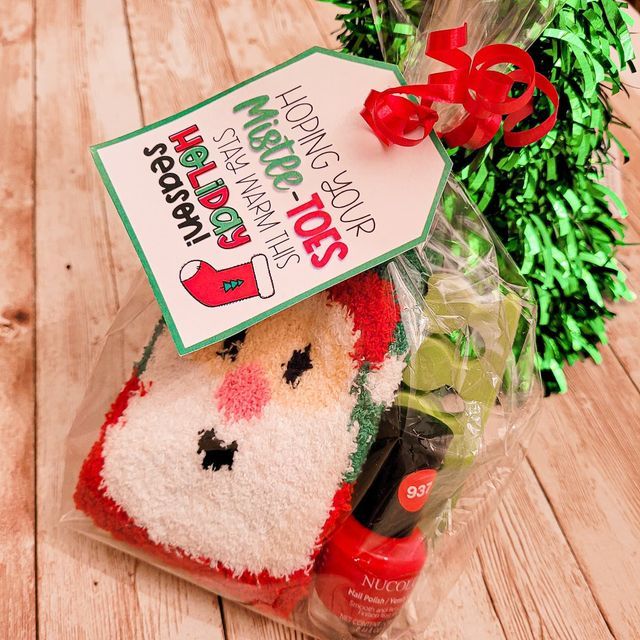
[(407, 441)]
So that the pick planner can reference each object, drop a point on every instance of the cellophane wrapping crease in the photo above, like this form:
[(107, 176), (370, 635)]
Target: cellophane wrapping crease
[(403, 27), (239, 467)]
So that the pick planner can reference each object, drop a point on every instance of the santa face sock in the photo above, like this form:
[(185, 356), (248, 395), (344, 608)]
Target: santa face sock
[(220, 452)]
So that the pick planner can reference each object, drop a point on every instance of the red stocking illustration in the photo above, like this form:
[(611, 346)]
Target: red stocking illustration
[(214, 288)]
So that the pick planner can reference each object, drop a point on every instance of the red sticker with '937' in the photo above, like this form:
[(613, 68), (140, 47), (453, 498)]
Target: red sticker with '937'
[(414, 490)]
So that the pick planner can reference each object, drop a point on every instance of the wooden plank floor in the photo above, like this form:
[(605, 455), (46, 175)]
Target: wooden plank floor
[(561, 559)]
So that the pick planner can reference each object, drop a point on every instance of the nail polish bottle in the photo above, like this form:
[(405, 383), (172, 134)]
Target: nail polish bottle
[(368, 568)]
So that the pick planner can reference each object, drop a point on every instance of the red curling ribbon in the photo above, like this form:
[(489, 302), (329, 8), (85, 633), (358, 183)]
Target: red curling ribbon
[(484, 93)]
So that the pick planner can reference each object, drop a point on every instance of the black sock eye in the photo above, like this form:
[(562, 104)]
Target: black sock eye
[(231, 346), (217, 454), (299, 362)]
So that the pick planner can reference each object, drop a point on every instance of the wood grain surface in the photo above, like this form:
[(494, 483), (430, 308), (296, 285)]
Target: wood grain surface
[(17, 334), (561, 558)]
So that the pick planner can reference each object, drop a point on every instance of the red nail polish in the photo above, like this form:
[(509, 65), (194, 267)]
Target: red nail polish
[(367, 570)]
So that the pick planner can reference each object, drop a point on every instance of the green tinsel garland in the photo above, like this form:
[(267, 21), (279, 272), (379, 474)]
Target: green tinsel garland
[(547, 201)]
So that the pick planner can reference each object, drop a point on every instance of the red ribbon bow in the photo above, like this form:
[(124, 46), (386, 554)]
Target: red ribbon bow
[(483, 92)]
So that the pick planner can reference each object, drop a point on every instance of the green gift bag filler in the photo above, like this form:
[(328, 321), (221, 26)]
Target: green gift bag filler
[(457, 371)]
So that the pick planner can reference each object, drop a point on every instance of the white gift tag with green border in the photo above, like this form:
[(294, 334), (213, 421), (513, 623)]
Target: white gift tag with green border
[(268, 193)]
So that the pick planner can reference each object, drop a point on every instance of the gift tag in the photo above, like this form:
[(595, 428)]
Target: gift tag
[(268, 193)]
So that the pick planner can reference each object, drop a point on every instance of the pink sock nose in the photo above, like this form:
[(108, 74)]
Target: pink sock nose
[(244, 392)]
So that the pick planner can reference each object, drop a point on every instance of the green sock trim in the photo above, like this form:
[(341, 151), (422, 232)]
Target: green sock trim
[(365, 416), (400, 344), (141, 365)]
